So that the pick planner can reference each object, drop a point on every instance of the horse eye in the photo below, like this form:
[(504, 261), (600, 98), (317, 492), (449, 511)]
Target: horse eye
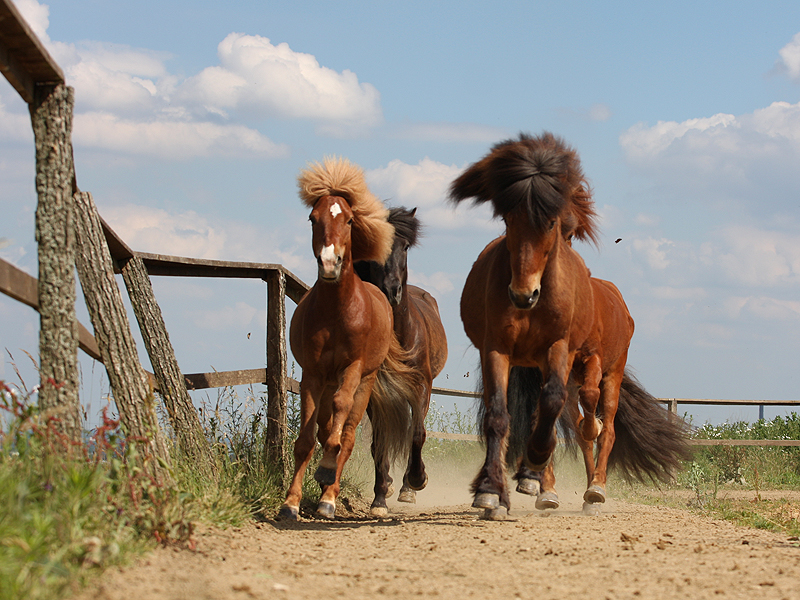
[(313, 219), (350, 222), (552, 224)]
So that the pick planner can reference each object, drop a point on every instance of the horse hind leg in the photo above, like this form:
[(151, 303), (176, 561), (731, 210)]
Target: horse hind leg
[(383, 482), (540, 484), (415, 477)]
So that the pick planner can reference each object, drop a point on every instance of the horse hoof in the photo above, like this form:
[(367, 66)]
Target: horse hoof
[(486, 500), (378, 511), (495, 514), (547, 501), (418, 486), (288, 512), (325, 476), (326, 509), (594, 495), (390, 491), (528, 486), (591, 510), (407, 495)]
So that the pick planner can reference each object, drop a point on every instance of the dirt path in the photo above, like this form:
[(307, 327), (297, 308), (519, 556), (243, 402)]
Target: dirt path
[(629, 551)]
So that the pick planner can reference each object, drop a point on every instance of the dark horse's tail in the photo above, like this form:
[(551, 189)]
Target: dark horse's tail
[(650, 441), (390, 413)]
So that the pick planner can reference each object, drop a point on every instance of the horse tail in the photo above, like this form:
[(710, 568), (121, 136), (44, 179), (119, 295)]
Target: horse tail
[(524, 388), (650, 441), (395, 387)]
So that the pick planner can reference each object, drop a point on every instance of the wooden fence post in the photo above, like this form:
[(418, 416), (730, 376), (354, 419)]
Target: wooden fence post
[(51, 117), (132, 393), (277, 430), (171, 384)]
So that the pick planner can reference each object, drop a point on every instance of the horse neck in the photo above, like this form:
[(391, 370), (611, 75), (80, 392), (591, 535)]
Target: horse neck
[(403, 319)]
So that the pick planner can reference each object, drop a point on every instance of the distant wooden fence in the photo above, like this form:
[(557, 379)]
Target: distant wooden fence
[(672, 404)]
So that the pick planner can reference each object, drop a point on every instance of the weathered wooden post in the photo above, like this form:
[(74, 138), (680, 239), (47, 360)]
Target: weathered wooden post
[(51, 116), (132, 392), (277, 431), (182, 414)]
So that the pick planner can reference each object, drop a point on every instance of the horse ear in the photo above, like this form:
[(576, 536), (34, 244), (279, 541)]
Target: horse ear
[(413, 211)]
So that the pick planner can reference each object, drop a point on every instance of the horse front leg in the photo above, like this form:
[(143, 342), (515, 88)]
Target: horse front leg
[(489, 487), (349, 405), (542, 441), (303, 447)]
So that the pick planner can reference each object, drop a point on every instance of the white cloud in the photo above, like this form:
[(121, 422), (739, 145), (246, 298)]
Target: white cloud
[(36, 15), (260, 78), (790, 57), (723, 161), (156, 230), (756, 257), (425, 185), (15, 126), (148, 110), (171, 139), (655, 251), (436, 283)]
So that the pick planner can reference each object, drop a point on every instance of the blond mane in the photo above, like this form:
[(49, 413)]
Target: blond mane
[(372, 234)]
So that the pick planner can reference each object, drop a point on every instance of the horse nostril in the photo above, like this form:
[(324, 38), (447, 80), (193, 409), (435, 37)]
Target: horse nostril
[(523, 301)]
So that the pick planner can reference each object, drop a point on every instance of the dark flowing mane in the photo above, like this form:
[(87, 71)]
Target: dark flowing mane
[(543, 173), (406, 225)]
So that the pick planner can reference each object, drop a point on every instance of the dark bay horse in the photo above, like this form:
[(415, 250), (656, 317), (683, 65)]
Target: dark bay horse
[(419, 330), (548, 332), (342, 335)]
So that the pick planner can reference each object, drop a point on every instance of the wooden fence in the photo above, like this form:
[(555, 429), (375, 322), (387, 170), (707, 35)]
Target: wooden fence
[(40, 82)]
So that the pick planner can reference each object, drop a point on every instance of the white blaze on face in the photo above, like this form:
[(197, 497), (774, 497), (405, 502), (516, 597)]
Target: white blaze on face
[(335, 210), (328, 255)]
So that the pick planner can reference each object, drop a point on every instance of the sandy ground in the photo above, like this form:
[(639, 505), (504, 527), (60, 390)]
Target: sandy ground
[(440, 548)]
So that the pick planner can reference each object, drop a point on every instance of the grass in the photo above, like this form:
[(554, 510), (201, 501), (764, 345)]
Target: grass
[(729, 482)]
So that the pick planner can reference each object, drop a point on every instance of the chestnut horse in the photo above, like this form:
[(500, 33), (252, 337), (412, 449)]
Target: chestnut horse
[(419, 330), (530, 302), (342, 335)]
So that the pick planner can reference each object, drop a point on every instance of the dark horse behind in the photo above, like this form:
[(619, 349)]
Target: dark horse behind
[(419, 330), (552, 337)]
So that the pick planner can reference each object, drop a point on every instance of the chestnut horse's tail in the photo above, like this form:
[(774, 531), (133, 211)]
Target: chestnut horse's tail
[(395, 388), (650, 441), (524, 388)]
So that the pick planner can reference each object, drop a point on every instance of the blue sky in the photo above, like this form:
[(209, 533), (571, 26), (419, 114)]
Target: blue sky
[(192, 121)]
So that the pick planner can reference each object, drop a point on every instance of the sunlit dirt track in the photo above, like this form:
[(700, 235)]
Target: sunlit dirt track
[(446, 551)]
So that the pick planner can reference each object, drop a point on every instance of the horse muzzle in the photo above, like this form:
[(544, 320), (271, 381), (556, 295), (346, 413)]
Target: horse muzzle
[(524, 300), (329, 268)]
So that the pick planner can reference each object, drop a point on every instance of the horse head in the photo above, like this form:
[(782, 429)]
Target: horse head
[(529, 247), (537, 186), (331, 224)]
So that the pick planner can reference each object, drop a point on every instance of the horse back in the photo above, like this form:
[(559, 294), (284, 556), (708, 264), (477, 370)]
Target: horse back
[(427, 310)]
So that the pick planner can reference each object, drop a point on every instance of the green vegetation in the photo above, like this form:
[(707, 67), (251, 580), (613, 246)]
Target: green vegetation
[(729, 482)]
